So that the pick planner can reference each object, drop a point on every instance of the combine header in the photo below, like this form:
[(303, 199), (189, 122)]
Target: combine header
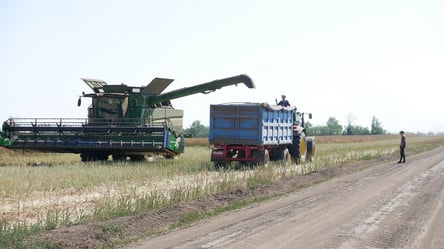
[(123, 121)]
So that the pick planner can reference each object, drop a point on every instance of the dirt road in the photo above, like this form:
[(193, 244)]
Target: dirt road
[(387, 206)]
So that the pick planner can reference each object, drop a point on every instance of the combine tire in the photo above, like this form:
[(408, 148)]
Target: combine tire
[(171, 157), (119, 157), (85, 157), (137, 158), (93, 156)]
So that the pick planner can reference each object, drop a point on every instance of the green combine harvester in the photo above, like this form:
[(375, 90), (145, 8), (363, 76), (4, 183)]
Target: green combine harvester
[(123, 121)]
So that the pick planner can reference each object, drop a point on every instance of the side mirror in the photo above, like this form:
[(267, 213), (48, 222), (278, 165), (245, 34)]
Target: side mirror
[(79, 102), (309, 115)]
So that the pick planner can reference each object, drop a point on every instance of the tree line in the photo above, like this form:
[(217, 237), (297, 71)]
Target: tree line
[(332, 127)]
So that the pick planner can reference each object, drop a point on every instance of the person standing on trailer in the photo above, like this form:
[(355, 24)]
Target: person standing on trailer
[(284, 102)]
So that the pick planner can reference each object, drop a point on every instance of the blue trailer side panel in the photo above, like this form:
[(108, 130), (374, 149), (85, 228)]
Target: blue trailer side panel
[(250, 123)]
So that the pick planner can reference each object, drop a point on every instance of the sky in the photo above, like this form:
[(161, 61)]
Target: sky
[(344, 58)]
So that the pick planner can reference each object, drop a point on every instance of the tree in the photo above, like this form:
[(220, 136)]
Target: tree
[(334, 128), (319, 130), (197, 129), (359, 130), (376, 128), (349, 129)]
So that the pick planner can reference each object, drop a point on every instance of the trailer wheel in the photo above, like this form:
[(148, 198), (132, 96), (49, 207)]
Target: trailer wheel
[(266, 158), (221, 165), (286, 158), (246, 165)]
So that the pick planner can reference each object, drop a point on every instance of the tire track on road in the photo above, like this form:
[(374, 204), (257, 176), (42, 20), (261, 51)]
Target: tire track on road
[(373, 222)]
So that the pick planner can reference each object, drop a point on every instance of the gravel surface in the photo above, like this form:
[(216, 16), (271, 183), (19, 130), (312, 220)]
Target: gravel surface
[(384, 205)]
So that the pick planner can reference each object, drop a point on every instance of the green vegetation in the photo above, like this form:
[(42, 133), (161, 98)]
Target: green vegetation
[(331, 127), (44, 191), (197, 129)]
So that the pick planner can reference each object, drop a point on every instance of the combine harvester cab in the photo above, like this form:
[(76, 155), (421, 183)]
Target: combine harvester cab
[(255, 133), (123, 121)]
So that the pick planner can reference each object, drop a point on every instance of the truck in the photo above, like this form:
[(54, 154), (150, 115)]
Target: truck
[(124, 122), (255, 133)]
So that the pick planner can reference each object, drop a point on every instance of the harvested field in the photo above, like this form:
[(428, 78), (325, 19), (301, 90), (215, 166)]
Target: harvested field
[(57, 190)]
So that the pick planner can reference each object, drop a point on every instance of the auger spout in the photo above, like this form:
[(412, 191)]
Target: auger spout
[(202, 88)]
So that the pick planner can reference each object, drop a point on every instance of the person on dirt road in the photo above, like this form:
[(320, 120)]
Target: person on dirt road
[(402, 147), (283, 102)]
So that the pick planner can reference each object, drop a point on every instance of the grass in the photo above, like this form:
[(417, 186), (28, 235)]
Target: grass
[(44, 191), (189, 218)]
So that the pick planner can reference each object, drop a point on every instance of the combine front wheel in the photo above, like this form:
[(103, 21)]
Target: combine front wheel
[(119, 157), (93, 156), (137, 158)]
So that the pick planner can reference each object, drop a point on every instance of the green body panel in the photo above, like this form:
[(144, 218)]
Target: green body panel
[(4, 141)]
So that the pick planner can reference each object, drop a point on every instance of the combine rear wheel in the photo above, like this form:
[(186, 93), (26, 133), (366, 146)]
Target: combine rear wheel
[(85, 157), (171, 156)]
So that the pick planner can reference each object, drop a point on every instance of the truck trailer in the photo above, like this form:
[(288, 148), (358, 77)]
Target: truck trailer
[(255, 133)]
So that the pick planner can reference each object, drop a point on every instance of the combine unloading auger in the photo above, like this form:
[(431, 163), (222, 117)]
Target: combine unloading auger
[(123, 121)]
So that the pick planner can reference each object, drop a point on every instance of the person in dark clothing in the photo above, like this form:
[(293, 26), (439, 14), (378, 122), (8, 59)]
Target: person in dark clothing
[(283, 102), (402, 147)]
